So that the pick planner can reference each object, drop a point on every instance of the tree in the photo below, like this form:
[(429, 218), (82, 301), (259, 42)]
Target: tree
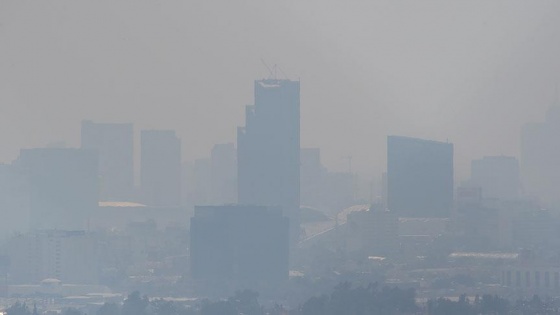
[(135, 305), (109, 309), (72, 311), (163, 307), (218, 308), (315, 306), (18, 309), (246, 302)]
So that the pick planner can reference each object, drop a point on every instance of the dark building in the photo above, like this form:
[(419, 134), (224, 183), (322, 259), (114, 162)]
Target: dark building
[(160, 168), (225, 249), (114, 144), (540, 158), (419, 177), (269, 149), (62, 185)]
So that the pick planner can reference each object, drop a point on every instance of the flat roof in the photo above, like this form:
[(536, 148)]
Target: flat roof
[(123, 204)]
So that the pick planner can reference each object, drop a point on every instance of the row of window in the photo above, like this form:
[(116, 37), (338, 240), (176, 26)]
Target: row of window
[(529, 279)]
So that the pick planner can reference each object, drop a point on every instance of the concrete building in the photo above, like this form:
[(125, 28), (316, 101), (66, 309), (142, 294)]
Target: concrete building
[(481, 224), (239, 246), (114, 145), (62, 185), (497, 176), (160, 168), (117, 216), (540, 158), (269, 149), (530, 274), (373, 232), (419, 177), (68, 256)]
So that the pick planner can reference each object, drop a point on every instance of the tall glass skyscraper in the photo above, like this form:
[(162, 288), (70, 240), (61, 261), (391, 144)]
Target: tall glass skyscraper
[(269, 149)]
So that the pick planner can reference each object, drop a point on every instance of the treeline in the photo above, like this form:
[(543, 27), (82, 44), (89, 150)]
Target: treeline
[(345, 299), (371, 300), (133, 305), (493, 304)]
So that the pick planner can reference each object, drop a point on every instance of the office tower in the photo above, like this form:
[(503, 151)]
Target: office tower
[(227, 250), (160, 168), (419, 177), (269, 150), (497, 176), (114, 144), (62, 186), (540, 158), (223, 170)]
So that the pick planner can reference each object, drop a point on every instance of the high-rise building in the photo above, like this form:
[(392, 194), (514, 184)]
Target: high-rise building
[(228, 251), (540, 158), (268, 147), (160, 168), (68, 256), (114, 144), (419, 177), (497, 176), (62, 185)]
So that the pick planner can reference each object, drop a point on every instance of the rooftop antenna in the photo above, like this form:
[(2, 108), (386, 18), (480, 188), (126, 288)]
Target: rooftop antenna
[(271, 72)]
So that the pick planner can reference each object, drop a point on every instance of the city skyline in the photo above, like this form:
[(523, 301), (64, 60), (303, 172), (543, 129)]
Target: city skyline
[(279, 157), (372, 83)]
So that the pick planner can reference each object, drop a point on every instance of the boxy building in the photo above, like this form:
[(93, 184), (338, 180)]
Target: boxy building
[(242, 246)]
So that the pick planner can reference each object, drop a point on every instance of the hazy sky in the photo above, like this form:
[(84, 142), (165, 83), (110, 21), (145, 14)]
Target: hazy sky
[(469, 71)]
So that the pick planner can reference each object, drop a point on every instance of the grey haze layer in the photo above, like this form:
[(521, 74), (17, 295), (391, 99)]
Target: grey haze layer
[(472, 72)]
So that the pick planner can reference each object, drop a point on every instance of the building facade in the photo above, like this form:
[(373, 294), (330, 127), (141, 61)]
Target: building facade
[(62, 185), (114, 145), (160, 168), (239, 246), (269, 150), (419, 177), (540, 158)]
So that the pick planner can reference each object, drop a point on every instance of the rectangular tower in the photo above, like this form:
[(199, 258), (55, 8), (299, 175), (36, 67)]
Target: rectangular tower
[(114, 144), (62, 186), (419, 177), (226, 250), (269, 149), (540, 158), (160, 168)]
